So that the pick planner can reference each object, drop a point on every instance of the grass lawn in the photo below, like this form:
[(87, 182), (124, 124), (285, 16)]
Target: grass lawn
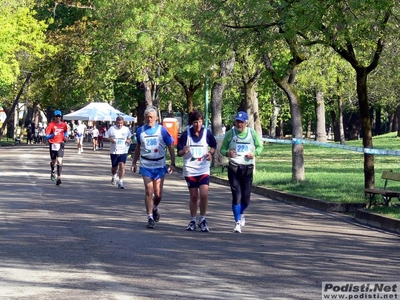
[(331, 174), (6, 142)]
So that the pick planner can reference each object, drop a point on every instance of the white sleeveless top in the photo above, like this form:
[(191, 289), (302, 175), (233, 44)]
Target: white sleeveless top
[(194, 162), (152, 150), (242, 147)]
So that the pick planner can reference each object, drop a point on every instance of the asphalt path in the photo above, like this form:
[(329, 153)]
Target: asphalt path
[(86, 239)]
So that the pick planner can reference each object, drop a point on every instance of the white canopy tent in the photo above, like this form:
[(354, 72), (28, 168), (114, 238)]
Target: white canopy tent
[(98, 111)]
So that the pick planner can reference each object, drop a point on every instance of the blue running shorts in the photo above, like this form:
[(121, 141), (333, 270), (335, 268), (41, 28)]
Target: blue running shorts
[(155, 173)]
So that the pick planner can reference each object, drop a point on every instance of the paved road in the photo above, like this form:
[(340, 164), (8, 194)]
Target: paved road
[(86, 239)]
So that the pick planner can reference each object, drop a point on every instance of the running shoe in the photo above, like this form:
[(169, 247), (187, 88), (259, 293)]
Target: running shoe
[(113, 180), (156, 215), (151, 224), (191, 226), (120, 186), (53, 176), (242, 220), (58, 181), (203, 226), (237, 228)]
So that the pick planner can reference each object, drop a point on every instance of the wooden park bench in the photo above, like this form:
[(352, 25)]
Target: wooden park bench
[(386, 194)]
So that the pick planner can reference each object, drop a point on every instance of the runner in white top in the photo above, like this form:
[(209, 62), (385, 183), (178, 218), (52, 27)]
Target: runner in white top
[(79, 135), (95, 135), (120, 139), (196, 145)]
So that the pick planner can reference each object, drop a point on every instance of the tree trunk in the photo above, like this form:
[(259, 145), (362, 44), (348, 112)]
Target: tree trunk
[(362, 72), (256, 116), (280, 132), (14, 105), (392, 122), (189, 90), (320, 126), (286, 83), (274, 118), (147, 100), (26, 113), (217, 91), (298, 171), (369, 171), (335, 125), (341, 124), (216, 110), (397, 121), (309, 128), (251, 106), (378, 121), (251, 100)]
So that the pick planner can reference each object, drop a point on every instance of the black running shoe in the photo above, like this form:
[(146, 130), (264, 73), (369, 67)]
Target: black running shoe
[(58, 181), (151, 224), (156, 215)]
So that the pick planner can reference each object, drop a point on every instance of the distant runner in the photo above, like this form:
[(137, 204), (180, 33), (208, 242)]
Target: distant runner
[(56, 135)]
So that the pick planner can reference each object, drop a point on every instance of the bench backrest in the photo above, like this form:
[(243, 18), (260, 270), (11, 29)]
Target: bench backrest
[(388, 175)]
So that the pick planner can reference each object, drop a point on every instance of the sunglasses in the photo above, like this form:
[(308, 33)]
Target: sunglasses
[(58, 116)]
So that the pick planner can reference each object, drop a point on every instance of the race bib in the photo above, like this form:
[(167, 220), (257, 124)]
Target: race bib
[(120, 145), (197, 151), (242, 149), (55, 147), (151, 144)]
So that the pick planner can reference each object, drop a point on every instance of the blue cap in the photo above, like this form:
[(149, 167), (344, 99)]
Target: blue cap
[(241, 116), (57, 113)]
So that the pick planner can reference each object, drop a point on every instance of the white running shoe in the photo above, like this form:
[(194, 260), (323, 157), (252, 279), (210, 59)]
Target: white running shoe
[(237, 228), (191, 226), (203, 226), (242, 220), (79, 151), (113, 180)]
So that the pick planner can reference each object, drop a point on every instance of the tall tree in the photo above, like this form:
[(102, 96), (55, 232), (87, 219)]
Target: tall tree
[(356, 30), (23, 45), (259, 26), (225, 70)]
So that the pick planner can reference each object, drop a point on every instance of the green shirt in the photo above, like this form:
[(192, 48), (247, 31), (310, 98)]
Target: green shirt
[(255, 141)]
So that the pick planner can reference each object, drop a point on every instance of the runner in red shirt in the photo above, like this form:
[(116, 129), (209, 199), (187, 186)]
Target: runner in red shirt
[(102, 132), (56, 134)]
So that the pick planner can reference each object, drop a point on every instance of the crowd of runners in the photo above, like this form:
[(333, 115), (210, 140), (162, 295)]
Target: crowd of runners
[(196, 145)]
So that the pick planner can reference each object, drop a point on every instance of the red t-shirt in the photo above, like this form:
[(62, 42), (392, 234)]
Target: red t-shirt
[(102, 131), (59, 130)]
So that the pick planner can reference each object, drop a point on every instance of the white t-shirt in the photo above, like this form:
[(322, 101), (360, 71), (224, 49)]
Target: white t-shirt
[(80, 130), (95, 132), (120, 135)]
